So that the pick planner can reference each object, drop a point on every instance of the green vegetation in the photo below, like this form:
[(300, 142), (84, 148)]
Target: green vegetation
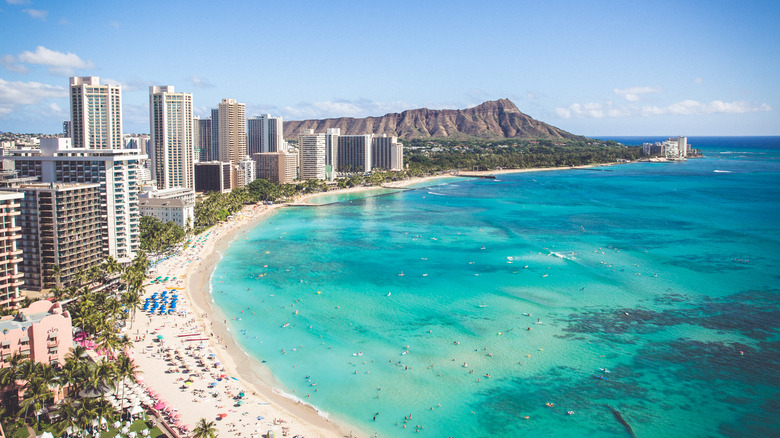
[(104, 299), (433, 156), (157, 236)]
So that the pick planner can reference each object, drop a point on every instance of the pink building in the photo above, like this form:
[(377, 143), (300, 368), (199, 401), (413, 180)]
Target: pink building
[(42, 332)]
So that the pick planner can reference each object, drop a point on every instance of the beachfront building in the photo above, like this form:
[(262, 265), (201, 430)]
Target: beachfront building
[(265, 134), (353, 153), (386, 153), (10, 253), (232, 134), (186, 195), (42, 332), (674, 147), (95, 114), (168, 210), (170, 205), (245, 172), (60, 226), (311, 148), (115, 170), (201, 129), (172, 137), (277, 167), (213, 176)]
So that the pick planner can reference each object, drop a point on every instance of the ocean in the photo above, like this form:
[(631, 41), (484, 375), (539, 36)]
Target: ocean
[(636, 299)]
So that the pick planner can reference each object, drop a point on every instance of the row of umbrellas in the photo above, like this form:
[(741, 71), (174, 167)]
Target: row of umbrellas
[(163, 306)]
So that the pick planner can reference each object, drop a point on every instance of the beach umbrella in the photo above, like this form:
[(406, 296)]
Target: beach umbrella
[(160, 337), (223, 415), (241, 394), (46, 435), (137, 409), (159, 406)]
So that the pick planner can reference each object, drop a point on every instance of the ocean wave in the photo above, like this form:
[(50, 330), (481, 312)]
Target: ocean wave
[(299, 401), (721, 171), (437, 194), (563, 256)]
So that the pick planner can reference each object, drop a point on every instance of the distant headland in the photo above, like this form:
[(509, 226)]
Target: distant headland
[(491, 120)]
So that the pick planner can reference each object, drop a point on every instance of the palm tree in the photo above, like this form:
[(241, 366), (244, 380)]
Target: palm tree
[(35, 396), (68, 412), (86, 413), (205, 429), (125, 369), (133, 301), (55, 272)]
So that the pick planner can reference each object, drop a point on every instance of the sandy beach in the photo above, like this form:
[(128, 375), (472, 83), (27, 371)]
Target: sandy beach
[(190, 360), (184, 356)]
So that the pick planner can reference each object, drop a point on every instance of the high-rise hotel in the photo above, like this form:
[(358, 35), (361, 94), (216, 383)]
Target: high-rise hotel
[(95, 114), (265, 134), (232, 134), (172, 137), (95, 155), (311, 147)]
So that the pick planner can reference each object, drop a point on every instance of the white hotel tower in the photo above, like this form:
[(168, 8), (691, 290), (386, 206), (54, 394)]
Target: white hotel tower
[(172, 137), (95, 114), (311, 147)]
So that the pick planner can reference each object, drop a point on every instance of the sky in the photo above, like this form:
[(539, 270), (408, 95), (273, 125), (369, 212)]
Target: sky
[(594, 68)]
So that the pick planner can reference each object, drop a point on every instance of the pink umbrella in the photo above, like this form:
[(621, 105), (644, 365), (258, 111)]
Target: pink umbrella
[(184, 427), (159, 406)]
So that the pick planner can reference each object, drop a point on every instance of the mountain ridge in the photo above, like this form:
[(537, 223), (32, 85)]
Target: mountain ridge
[(497, 119)]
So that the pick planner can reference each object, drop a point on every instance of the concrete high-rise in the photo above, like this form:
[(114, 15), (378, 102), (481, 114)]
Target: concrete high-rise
[(386, 153), (172, 137), (202, 137), (265, 134), (232, 135), (331, 146), (213, 176), (116, 172), (61, 224), (232, 131), (354, 153), (10, 254), (277, 167), (311, 148), (213, 154), (246, 172), (95, 114)]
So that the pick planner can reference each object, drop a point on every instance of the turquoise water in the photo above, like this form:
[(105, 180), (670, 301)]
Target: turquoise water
[(663, 274)]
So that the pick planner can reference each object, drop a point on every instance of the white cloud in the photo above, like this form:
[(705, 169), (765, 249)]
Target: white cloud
[(15, 95), (10, 64), (58, 62), (683, 108), (633, 94), (136, 115), (342, 108), (18, 2), (200, 82), (39, 14)]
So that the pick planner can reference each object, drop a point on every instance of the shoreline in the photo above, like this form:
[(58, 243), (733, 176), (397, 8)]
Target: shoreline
[(195, 266)]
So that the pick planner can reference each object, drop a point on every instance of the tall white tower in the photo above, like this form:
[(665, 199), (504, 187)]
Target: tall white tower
[(95, 114), (311, 146), (172, 137)]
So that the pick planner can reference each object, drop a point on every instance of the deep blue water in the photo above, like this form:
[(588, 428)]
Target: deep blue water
[(664, 274)]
